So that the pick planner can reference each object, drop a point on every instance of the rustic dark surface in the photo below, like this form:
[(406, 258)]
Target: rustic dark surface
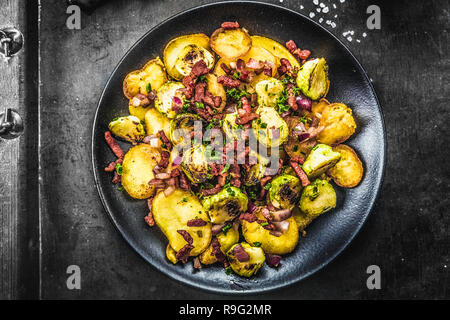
[(407, 234)]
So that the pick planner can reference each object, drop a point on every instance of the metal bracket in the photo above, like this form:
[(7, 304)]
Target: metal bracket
[(11, 42)]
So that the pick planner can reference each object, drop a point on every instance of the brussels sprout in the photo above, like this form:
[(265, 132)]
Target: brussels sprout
[(165, 97), (253, 263), (128, 128), (317, 198), (189, 56), (256, 172), (225, 205), (195, 164), (312, 78), (182, 125), (284, 191), (301, 218), (270, 129), (321, 158), (228, 238), (269, 92), (230, 127)]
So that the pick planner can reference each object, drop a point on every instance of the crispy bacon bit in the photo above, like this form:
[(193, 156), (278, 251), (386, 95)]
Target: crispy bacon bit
[(149, 218), (208, 99), (240, 253), (217, 101), (216, 252), (304, 54), (254, 65), (175, 173), (113, 145), (249, 217), (266, 214), (228, 82), (196, 223), (297, 52), (117, 179), (152, 95), (184, 185), (292, 99), (189, 83), (251, 207), (183, 254), (285, 66), (226, 68), (273, 260), (200, 68), (199, 91), (186, 236), (300, 173), (216, 229), (165, 157), (230, 25), (212, 191), (112, 166), (300, 160), (197, 264), (291, 45), (140, 100), (165, 139)]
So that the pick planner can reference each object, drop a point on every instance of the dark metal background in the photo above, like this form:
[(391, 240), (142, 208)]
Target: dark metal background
[(407, 235)]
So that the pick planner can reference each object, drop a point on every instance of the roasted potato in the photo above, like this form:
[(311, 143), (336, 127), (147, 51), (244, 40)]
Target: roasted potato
[(171, 254), (312, 78), (137, 170), (150, 77), (269, 92), (174, 48), (225, 205), (261, 54), (270, 129), (230, 44), (284, 191), (155, 121), (165, 97), (254, 232), (172, 213), (256, 258), (276, 49), (348, 172), (317, 198), (216, 89), (128, 128), (321, 158), (138, 111), (319, 106), (301, 218), (339, 124), (226, 240), (189, 56)]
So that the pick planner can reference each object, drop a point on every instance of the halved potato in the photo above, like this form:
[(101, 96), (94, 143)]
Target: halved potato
[(254, 232), (261, 54), (319, 106), (171, 254), (175, 46), (349, 170), (138, 165), (231, 43), (138, 111), (150, 77), (275, 48), (216, 89), (339, 124), (172, 213), (189, 56), (156, 121)]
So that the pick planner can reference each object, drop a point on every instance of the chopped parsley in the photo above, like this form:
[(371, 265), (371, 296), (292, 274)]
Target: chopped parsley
[(264, 224), (149, 87), (226, 168), (236, 94), (226, 228), (267, 186), (199, 105), (202, 78), (257, 244), (228, 270), (121, 188), (119, 169)]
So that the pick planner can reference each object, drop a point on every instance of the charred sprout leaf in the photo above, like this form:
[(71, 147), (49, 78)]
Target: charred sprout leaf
[(284, 191), (321, 158), (128, 128), (189, 56), (312, 78), (195, 164), (181, 127), (256, 172), (225, 205), (317, 198), (252, 265)]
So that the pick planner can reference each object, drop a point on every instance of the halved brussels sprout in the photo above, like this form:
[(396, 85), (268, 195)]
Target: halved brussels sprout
[(128, 128), (155, 121), (230, 126), (195, 164), (339, 124), (349, 170), (284, 191), (269, 92), (320, 159), (256, 172), (181, 127), (270, 129), (312, 78), (225, 205), (189, 56), (256, 258), (165, 97), (317, 198), (150, 77), (301, 218)]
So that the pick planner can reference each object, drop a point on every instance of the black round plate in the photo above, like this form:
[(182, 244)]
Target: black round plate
[(329, 234)]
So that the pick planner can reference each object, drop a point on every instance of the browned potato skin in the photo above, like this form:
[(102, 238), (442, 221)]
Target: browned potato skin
[(303, 148), (339, 124), (224, 51), (348, 172), (319, 106), (153, 71)]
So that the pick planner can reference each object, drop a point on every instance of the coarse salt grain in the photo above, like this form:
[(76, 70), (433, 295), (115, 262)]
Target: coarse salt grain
[(349, 38), (316, 2), (322, 5), (325, 10), (364, 34), (320, 20), (318, 9), (312, 14)]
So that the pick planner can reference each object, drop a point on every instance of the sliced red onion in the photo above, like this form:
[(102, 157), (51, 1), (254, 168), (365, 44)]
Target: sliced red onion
[(285, 114), (304, 102), (240, 253), (281, 215), (251, 207), (273, 260), (162, 175), (169, 190), (266, 214), (302, 136), (282, 226), (177, 101)]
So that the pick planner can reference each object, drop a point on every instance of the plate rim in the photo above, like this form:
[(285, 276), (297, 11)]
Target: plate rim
[(156, 264)]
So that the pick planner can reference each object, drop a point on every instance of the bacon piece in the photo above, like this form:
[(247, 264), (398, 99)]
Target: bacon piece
[(175, 173), (140, 100), (226, 68), (216, 252), (229, 82), (254, 65), (291, 45), (186, 236), (113, 145), (300, 173), (292, 102), (149, 218), (183, 254), (189, 83), (152, 95), (199, 91), (212, 191), (300, 160), (112, 166), (230, 25), (200, 68), (165, 139), (184, 184), (304, 54), (285, 66), (217, 101), (249, 217), (196, 223), (209, 99), (197, 264), (240, 253), (165, 157), (117, 179), (273, 260)]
